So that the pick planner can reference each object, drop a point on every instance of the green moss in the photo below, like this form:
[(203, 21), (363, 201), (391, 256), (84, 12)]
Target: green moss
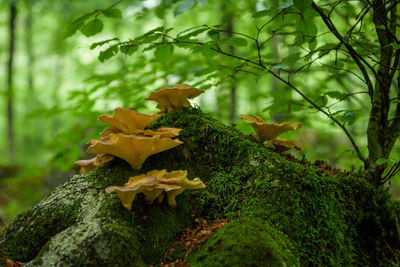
[(327, 217), (246, 242), (25, 240)]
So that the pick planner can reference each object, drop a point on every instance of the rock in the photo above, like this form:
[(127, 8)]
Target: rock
[(246, 242), (300, 214)]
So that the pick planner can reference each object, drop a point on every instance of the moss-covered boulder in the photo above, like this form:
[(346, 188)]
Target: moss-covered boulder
[(302, 213), (246, 242)]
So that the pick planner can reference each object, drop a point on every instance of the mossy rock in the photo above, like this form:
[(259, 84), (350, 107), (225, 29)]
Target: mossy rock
[(330, 220), (246, 242)]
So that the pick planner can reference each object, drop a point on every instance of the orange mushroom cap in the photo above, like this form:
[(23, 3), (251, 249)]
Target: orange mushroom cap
[(282, 144), (176, 97), (267, 131), (89, 164), (127, 120), (154, 185), (127, 193), (164, 132), (179, 178), (131, 148)]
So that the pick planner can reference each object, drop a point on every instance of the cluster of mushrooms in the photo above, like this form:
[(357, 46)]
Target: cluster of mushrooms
[(127, 138), (268, 132)]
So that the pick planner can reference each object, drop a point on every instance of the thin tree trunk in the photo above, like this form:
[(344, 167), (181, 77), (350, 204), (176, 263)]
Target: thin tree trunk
[(29, 48), (227, 19), (382, 133), (10, 93)]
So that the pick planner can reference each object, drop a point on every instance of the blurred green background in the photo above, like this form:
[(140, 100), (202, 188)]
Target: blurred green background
[(59, 85)]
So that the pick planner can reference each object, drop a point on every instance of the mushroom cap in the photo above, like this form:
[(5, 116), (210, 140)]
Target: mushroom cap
[(179, 178), (267, 131), (282, 144), (127, 120), (127, 193), (164, 132), (154, 185), (173, 98), (131, 148), (89, 164)]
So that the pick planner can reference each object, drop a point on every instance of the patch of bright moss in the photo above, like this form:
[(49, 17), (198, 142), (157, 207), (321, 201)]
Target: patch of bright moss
[(246, 242)]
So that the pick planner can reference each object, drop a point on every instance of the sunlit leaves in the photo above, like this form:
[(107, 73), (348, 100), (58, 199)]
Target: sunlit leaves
[(108, 53), (92, 27), (302, 5), (113, 13), (94, 45), (192, 32), (184, 6), (76, 24), (128, 49), (95, 25), (271, 10), (163, 52)]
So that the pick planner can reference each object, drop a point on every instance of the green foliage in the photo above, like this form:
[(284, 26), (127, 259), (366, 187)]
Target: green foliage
[(92, 27)]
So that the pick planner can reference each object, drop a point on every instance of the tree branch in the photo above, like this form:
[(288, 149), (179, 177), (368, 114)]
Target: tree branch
[(356, 57)]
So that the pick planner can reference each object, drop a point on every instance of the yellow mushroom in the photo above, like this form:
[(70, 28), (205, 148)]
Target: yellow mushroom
[(154, 185), (127, 120), (267, 131), (128, 192), (163, 132), (89, 164), (176, 97), (282, 144), (131, 148), (179, 178)]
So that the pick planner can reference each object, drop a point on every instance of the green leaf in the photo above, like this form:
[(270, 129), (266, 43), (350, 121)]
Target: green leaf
[(312, 43), (187, 35), (113, 13), (307, 26), (92, 27), (186, 5), (381, 161), (128, 49), (163, 52), (302, 5), (262, 13), (108, 53), (292, 57), (206, 71), (237, 41), (213, 34), (94, 45), (278, 66), (349, 117), (205, 50), (76, 24)]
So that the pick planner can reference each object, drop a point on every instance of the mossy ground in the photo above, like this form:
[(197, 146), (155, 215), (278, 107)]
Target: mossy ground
[(246, 240), (327, 219)]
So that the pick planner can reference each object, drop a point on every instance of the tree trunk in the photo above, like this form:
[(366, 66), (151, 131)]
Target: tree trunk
[(10, 93), (381, 132), (284, 212)]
